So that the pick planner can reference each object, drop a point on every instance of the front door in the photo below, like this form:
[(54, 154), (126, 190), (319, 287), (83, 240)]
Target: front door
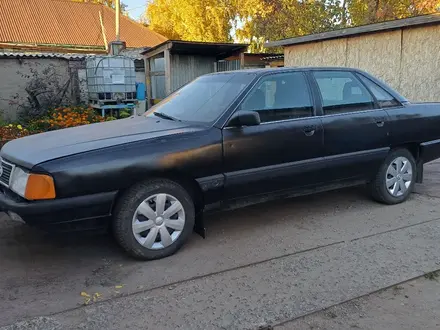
[(356, 129), (285, 150)]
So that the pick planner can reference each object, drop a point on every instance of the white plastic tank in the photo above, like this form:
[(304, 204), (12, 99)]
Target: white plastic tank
[(111, 79)]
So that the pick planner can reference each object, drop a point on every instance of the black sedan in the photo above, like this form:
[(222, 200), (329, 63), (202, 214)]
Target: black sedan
[(225, 139)]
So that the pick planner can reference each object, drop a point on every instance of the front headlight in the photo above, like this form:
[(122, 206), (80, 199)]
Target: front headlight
[(19, 181), (32, 186)]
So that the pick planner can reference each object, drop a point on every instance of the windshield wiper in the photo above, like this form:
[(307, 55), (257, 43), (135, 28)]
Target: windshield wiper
[(165, 116)]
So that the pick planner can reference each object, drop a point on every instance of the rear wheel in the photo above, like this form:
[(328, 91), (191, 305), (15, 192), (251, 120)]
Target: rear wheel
[(153, 219), (395, 179)]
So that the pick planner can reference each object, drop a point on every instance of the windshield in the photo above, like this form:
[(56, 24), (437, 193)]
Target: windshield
[(204, 99)]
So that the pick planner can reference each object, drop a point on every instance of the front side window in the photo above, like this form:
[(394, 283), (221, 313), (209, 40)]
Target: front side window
[(280, 97), (342, 92), (384, 99), (204, 99)]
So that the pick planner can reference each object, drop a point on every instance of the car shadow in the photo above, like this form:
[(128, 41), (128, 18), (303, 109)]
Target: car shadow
[(30, 244)]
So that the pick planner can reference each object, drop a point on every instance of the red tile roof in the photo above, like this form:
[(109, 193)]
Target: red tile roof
[(67, 24)]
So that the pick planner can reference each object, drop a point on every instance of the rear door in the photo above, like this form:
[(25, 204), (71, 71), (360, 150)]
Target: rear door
[(356, 129), (285, 151)]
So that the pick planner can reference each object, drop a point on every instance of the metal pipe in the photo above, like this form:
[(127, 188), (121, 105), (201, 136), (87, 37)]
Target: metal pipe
[(118, 13), (103, 31)]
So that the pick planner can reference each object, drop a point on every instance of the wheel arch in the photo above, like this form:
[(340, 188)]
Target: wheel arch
[(415, 149), (186, 181)]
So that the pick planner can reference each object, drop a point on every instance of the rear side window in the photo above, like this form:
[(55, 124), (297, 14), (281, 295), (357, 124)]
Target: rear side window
[(281, 96), (342, 92), (384, 99)]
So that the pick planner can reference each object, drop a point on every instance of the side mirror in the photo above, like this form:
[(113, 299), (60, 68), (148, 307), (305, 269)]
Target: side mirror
[(244, 118)]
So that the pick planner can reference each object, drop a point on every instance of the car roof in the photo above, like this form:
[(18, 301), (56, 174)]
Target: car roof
[(263, 71), (260, 72)]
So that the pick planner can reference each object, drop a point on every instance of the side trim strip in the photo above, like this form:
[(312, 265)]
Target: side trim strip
[(255, 174), (269, 168), (356, 154), (428, 143)]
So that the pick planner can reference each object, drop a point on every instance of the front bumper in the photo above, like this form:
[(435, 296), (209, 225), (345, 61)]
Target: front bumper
[(65, 211)]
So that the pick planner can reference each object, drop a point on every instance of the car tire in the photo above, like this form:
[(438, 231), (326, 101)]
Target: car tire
[(145, 229), (391, 184)]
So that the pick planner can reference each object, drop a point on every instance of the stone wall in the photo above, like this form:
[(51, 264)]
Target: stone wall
[(18, 75)]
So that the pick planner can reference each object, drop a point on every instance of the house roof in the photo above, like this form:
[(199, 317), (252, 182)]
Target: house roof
[(364, 29), (67, 25)]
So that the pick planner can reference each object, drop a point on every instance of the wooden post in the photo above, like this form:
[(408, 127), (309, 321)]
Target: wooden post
[(148, 83), (242, 61), (168, 70)]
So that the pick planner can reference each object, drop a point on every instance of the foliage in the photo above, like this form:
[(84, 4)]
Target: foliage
[(12, 131), (196, 20), (199, 20), (257, 21), (253, 21), (124, 114), (371, 11), (66, 117), (110, 118), (290, 18)]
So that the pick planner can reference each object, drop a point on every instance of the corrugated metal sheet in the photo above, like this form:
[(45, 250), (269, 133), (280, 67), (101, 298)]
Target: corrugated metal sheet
[(44, 55), (274, 57), (185, 68), (65, 22)]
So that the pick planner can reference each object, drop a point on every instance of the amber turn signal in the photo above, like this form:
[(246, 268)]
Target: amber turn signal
[(39, 186)]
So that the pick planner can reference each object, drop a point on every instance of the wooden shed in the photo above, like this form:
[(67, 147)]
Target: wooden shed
[(172, 64)]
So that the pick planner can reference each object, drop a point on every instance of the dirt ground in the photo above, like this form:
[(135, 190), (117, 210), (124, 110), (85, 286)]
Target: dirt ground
[(268, 264), (408, 306)]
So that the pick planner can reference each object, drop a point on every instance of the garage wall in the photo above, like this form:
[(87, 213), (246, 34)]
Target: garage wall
[(406, 59), (316, 54), (420, 74)]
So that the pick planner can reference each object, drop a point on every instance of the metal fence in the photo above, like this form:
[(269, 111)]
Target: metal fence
[(228, 65)]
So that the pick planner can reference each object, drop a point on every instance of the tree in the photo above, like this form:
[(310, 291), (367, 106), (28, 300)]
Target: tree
[(196, 20), (257, 21), (291, 18), (370, 11), (199, 20)]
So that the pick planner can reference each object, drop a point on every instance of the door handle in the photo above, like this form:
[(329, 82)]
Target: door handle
[(380, 121), (309, 130)]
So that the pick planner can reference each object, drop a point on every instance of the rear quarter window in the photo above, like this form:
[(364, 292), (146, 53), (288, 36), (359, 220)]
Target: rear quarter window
[(384, 99)]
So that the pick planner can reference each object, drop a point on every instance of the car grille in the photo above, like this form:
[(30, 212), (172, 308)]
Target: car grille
[(6, 173)]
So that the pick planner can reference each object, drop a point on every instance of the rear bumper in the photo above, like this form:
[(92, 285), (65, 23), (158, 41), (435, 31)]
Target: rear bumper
[(46, 214)]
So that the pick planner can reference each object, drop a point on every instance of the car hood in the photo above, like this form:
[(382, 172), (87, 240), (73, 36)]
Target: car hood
[(32, 150)]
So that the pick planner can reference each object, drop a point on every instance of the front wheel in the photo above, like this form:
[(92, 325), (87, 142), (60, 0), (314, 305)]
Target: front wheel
[(153, 219), (395, 179)]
